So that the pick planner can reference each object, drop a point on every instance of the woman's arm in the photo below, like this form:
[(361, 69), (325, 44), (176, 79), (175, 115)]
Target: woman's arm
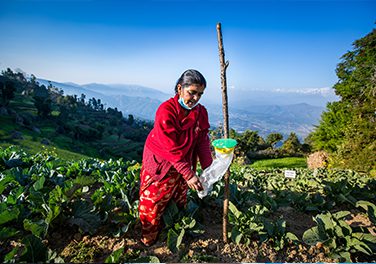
[(204, 151)]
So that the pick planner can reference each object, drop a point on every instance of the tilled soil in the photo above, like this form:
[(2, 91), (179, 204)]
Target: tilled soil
[(208, 247)]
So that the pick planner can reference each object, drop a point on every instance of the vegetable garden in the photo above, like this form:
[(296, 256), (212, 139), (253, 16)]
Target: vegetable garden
[(54, 210)]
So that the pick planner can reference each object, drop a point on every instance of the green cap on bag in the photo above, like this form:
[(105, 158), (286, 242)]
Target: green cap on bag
[(224, 143)]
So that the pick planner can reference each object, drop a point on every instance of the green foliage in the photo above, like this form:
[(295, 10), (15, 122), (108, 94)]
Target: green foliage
[(347, 128), (248, 225), (289, 162), (292, 144), (338, 236), (179, 223), (42, 101), (370, 208), (248, 141), (254, 224), (7, 90), (41, 192), (273, 138)]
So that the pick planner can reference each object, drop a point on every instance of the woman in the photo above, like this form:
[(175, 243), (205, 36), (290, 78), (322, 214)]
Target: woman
[(178, 139)]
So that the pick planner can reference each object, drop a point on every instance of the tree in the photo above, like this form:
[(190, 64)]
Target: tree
[(347, 128), (273, 138), (292, 144), (249, 141), (42, 100), (130, 119), (7, 89)]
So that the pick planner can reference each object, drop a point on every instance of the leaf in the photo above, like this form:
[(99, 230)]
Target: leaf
[(53, 257), (8, 215), (327, 220), (361, 246), (36, 251), (115, 256), (341, 214), (52, 212), (236, 235), (10, 257), (370, 208), (188, 222), (38, 185), (172, 238), (311, 236), (269, 227), (365, 204), (367, 238), (292, 237), (38, 228), (7, 232), (14, 195), (345, 257), (83, 217), (170, 214), (324, 224), (372, 214), (5, 182), (346, 229), (338, 231), (179, 240), (234, 210)]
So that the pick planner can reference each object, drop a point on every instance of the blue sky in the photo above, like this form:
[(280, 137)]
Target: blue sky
[(270, 44)]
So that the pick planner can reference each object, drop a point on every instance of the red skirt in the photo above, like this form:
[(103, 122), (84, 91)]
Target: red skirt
[(154, 197)]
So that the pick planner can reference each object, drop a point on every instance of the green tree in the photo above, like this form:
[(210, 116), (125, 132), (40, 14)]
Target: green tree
[(273, 138), (347, 128), (130, 119), (249, 141), (42, 100), (292, 144), (7, 89)]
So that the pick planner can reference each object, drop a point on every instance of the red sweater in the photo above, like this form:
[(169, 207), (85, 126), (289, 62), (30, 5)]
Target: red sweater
[(177, 140)]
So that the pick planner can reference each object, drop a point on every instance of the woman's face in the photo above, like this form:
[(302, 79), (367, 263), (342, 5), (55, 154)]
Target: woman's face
[(191, 94)]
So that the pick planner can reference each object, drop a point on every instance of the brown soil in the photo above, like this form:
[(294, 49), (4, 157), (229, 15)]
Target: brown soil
[(208, 247)]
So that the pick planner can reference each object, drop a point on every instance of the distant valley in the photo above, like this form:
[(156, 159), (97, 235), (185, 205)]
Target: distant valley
[(266, 112)]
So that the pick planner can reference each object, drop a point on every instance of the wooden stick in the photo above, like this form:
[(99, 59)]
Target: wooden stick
[(224, 66)]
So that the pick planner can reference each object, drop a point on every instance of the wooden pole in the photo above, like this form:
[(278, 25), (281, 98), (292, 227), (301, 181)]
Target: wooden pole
[(224, 66)]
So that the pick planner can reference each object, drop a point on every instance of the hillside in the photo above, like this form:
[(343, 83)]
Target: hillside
[(140, 101), (36, 117)]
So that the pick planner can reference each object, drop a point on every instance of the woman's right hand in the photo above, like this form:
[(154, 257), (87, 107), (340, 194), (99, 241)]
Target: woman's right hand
[(195, 184)]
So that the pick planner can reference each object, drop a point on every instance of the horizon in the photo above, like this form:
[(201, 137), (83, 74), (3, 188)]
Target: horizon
[(317, 97), (271, 45)]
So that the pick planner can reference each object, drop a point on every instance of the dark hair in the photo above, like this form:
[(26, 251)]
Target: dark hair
[(190, 77)]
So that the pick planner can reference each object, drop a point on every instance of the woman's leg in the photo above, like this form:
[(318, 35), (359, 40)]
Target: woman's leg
[(180, 195), (153, 201)]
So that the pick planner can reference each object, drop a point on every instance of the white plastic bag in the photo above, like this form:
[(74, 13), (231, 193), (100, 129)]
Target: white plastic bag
[(215, 171)]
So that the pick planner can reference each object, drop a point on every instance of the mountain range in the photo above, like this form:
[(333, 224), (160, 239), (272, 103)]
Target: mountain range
[(263, 111)]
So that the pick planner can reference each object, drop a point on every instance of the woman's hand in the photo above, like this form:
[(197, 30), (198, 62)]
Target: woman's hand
[(194, 183)]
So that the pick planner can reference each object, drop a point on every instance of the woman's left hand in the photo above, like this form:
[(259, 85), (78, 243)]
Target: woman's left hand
[(194, 183)]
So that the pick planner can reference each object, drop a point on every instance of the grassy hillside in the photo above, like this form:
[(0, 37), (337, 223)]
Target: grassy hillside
[(35, 117)]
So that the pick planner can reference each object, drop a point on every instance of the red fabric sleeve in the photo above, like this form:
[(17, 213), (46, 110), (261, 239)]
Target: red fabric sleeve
[(184, 169)]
